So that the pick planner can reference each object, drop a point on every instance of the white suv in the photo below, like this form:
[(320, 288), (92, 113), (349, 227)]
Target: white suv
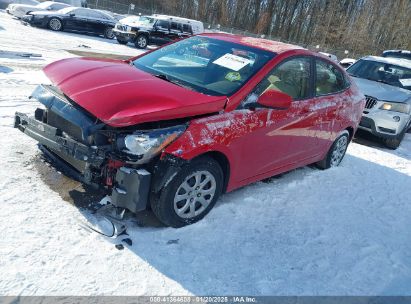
[(386, 83)]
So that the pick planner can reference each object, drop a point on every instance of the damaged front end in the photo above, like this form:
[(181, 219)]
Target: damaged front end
[(120, 160)]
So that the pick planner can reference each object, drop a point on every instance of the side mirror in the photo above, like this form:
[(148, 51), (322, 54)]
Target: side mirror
[(275, 99), (72, 15)]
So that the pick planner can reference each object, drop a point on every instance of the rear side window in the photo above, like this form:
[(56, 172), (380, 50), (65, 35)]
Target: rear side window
[(329, 79), (187, 28), (176, 26), (291, 77)]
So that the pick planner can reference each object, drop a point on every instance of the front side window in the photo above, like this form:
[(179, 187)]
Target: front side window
[(209, 66), (162, 24), (291, 77), (95, 15), (329, 79), (81, 13)]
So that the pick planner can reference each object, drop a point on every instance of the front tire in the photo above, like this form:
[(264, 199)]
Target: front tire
[(141, 41), (337, 151), (108, 33), (55, 24), (190, 195)]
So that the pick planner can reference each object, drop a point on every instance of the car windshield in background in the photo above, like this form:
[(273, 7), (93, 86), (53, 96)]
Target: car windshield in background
[(44, 4), (146, 20), (66, 10), (205, 65), (382, 72), (143, 20)]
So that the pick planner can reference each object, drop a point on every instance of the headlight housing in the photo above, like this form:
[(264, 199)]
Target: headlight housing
[(147, 144), (396, 107)]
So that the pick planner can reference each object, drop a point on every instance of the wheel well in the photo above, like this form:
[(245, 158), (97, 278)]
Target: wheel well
[(351, 131), (142, 34), (224, 164)]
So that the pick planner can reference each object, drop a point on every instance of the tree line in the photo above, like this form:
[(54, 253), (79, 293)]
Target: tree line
[(360, 26)]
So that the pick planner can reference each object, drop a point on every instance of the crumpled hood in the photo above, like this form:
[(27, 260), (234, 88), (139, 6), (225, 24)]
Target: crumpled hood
[(382, 91), (121, 95)]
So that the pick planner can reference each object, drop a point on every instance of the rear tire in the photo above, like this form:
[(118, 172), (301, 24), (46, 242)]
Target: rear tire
[(141, 41), (190, 195), (108, 33), (336, 153), (55, 24), (121, 41)]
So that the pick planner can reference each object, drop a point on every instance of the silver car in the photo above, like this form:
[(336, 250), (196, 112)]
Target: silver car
[(386, 83)]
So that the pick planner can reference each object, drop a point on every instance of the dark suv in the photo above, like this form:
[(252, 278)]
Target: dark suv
[(157, 29)]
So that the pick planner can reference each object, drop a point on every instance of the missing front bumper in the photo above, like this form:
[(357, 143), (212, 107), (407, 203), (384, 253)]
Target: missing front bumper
[(131, 186)]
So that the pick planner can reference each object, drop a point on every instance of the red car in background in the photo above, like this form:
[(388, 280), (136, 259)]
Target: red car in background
[(177, 127)]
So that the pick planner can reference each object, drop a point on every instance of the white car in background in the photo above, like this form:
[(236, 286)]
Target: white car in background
[(5, 3), (20, 10), (386, 84), (347, 62)]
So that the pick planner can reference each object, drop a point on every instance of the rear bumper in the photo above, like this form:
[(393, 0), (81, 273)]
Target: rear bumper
[(88, 164)]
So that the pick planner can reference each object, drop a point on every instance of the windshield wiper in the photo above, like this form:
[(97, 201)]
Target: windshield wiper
[(163, 76), (176, 82)]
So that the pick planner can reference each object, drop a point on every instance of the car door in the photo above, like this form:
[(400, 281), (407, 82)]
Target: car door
[(330, 99), (161, 32), (76, 20), (279, 138), (96, 22), (176, 30)]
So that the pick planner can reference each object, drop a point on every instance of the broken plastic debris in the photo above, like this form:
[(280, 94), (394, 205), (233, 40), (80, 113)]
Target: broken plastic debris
[(119, 246), (128, 241)]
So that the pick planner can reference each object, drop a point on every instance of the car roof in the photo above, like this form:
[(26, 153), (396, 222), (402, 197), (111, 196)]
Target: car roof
[(173, 18), (269, 45), (406, 63), (397, 51)]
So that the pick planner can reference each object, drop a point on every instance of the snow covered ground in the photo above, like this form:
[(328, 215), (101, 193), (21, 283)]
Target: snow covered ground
[(344, 231)]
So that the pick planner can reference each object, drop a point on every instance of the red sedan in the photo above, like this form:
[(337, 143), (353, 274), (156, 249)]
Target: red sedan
[(177, 127)]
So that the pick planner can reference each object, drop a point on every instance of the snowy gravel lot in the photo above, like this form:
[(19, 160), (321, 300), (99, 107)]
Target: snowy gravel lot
[(345, 231)]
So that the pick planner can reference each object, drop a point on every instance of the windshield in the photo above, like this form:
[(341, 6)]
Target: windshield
[(66, 10), (144, 20), (44, 4), (393, 75), (205, 65)]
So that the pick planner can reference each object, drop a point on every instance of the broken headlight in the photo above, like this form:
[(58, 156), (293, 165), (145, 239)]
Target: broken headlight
[(147, 144)]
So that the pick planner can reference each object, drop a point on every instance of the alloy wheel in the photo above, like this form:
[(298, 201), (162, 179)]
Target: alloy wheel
[(339, 151), (55, 24), (142, 41), (194, 194), (109, 33)]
